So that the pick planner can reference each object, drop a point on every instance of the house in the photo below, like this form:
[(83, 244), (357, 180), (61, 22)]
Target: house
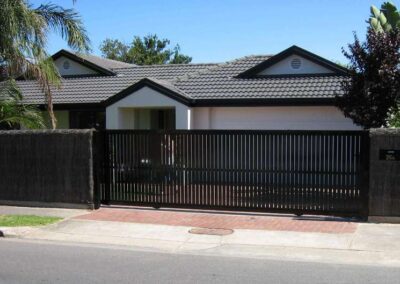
[(294, 89)]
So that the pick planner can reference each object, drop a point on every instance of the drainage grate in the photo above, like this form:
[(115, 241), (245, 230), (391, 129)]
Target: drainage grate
[(208, 231)]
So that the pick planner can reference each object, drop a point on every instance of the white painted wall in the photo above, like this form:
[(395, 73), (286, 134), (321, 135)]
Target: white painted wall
[(75, 68), (270, 118), (284, 67), (120, 115), (124, 115)]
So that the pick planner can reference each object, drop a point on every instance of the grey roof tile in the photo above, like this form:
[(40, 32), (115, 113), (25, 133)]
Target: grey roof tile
[(105, 62), (197, 81), (97, 89)]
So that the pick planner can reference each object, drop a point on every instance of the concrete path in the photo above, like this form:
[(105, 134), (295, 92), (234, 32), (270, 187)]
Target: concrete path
[(365, 243)]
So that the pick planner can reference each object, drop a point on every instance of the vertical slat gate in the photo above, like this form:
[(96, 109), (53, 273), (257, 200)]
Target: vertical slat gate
[(313, 172)]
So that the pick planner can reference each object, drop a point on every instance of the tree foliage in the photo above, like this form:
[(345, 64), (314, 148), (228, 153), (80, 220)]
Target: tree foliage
[(144, 51), (394, 119), (384, 19), (373, 92), (24, 31), (372, 95)]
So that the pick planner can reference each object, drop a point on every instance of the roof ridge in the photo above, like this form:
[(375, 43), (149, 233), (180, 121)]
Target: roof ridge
[(165, 65), (213, 68), (195, 73), (167, 84), (259, 55), (113, 60), (201, 72)]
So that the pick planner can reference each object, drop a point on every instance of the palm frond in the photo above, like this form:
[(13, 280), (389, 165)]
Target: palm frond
[(68, 23), (23, 39), (14, 113)]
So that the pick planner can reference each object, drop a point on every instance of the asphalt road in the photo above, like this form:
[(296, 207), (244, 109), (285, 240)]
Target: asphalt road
[(33, 262)]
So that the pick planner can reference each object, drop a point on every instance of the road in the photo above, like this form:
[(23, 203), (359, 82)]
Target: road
[(46, 262)]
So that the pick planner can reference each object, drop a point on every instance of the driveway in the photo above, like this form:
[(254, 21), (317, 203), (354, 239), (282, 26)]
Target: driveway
[(308, 238), (223, 220)]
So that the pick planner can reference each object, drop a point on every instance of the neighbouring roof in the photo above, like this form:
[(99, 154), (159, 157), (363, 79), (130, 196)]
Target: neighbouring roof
[(105, 62), (200, 84), (103, 66)]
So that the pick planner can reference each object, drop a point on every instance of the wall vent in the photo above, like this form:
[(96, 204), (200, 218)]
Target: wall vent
[(66, 65), (295, 63)]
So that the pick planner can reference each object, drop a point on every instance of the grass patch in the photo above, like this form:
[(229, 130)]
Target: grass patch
[(26, 220)]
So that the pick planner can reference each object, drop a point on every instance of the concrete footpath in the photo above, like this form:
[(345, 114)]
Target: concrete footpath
[(319, 239)]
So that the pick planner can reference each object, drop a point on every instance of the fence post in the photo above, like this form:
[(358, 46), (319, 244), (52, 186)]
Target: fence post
[(106, 169), (364, 163), (97, 152)]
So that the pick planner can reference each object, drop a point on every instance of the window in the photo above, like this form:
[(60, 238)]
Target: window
[(87, 119)]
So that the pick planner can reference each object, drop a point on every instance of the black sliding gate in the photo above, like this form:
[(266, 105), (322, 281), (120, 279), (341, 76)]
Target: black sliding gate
[(314, 172)]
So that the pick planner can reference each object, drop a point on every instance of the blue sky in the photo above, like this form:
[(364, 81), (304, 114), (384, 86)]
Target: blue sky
[(221, 30)]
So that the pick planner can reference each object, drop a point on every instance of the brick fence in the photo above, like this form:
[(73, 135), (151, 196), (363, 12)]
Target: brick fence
[(47, 168)]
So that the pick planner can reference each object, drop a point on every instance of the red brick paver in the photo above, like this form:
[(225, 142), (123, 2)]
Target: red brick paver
[(221, 221)]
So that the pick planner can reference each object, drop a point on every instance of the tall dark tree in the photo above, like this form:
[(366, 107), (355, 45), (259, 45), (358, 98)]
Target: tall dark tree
[(372, 95), (144, 51)]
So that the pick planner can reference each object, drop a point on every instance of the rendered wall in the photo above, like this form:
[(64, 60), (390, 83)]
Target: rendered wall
[(384, 194), (270, 118), (119, 112), (62, 117), (74, 68), (284, 67)]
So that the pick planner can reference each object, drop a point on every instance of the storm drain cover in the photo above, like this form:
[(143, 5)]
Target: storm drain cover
[(208, 231)]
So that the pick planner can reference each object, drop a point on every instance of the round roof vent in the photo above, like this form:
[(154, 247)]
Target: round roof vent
[(66, 64), (295, 63)]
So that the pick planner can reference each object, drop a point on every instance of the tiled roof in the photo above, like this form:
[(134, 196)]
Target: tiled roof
[(221, 82), (105, 62), (195, 81), (97, 89)]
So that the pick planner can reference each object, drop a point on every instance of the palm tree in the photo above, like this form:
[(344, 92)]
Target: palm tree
[(14, 113), (23, 38)]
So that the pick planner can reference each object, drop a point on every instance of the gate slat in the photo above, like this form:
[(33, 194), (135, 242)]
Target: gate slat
[(316, 172)]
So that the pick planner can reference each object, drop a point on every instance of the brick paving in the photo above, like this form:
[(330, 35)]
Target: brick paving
[(223, 220)]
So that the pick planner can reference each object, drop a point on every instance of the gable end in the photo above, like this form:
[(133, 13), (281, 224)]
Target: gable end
[(295, 57), (146, 82), (97, 70)]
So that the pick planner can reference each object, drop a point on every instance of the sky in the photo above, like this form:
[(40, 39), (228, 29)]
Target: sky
[(222, 30)]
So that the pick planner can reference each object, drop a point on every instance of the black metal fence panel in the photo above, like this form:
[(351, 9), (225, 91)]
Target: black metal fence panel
[(318, 172)]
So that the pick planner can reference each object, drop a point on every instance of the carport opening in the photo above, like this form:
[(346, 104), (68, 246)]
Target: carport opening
[(148, 118)]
